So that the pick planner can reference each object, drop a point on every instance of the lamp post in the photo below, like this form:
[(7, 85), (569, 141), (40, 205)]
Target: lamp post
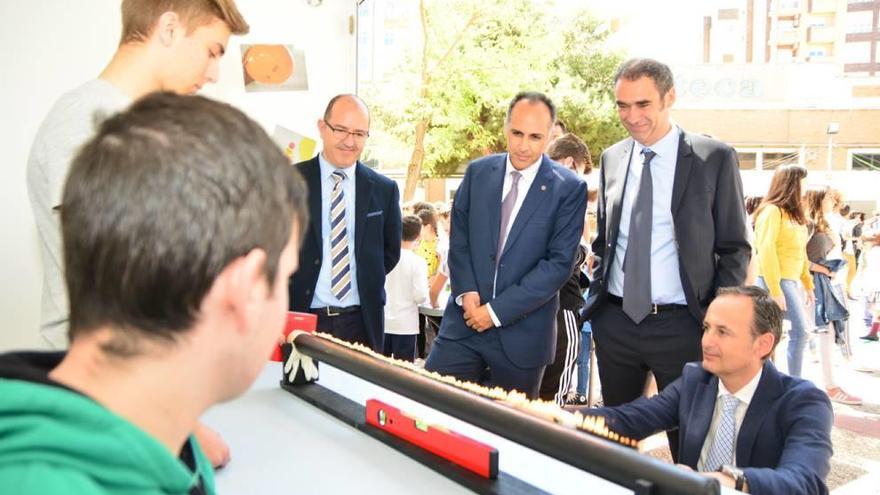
[(832, 129)]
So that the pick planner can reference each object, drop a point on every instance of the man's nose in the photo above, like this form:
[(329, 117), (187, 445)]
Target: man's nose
[(213, 71)]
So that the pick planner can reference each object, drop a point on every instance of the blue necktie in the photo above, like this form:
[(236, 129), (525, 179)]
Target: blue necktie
[(721, 451)]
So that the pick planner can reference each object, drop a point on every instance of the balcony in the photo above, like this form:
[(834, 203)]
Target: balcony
[(788, 8), (787, 37), (823, 7), (822, 34), (858, 5)]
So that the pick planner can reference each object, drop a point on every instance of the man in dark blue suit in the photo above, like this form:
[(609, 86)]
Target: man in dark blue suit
[(741, 421), (516, 223), (354, 237)]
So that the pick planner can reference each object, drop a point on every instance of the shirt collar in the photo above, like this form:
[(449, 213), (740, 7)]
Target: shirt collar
[(665, 147), (328, 168), (746, 393), (527, 173)]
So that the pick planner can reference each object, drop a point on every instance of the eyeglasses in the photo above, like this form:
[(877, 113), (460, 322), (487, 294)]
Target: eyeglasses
[(341, 133)]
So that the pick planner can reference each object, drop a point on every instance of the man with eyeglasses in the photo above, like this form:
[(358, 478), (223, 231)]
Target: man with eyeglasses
[(354, 237)]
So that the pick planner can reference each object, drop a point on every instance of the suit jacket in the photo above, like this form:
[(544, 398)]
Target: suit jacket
[(783, 444), (708, 212), (538, 255), (376, 245)]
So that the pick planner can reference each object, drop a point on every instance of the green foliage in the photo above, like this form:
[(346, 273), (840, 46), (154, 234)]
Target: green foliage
[(479, 54)]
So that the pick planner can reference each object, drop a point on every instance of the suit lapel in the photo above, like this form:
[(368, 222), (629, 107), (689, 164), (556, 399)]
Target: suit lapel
[(615, 186), (683, 165), (698, 420), (537, 193), (495, 187), (312, 173), (769, 388), (363, 189)]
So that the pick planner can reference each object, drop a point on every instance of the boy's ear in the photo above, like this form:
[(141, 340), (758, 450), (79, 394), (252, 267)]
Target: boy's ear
[(242, 283), (167, 27)]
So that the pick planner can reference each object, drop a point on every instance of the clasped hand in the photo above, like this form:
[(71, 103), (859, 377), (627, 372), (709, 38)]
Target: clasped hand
[(476, 315)]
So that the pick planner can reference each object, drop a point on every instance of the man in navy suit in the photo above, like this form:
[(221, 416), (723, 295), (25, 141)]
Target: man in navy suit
[(740, 420), (354, 237), (516, 223)]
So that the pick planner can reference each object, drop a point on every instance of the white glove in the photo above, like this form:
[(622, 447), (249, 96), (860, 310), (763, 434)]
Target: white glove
[(297, 359)]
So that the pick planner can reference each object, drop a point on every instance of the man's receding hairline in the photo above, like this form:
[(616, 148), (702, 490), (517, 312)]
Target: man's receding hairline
[(359, 103)]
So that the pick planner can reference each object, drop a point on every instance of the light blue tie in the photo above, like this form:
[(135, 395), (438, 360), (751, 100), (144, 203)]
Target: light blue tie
[(721, 451)]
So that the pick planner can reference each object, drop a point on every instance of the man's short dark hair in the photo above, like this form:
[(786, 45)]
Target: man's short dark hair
[(532, 97), (412, 227), (569, 145), (636, 68), (158, 203), (767, 315)]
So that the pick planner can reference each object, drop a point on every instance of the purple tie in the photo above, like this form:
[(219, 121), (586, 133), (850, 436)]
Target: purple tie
[(507, 212)]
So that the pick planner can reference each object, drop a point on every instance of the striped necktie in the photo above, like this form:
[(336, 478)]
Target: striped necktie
[(340, 273)]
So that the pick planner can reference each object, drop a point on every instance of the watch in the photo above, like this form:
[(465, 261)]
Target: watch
[(739, 477)]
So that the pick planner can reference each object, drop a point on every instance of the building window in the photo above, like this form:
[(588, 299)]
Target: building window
[(774, 160), (869, 160), (766, 159), (747, 160)]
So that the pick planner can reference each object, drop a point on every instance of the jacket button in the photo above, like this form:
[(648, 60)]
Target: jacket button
[(308, 291), (317, 262), (492, 257)]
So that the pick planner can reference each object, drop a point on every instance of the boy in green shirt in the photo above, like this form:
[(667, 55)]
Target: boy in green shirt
[(181, 223)]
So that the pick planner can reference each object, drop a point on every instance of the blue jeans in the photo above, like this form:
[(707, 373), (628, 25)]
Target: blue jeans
[(583, 360), (794, 313)]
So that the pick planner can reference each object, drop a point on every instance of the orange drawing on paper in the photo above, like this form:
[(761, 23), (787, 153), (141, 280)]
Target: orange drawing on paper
[(268, 64)]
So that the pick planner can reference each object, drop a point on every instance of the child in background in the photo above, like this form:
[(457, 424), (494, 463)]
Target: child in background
[(406, 287), (429, 240)]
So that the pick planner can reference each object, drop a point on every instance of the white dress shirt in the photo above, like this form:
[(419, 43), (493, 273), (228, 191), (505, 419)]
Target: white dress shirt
[(744, 395)]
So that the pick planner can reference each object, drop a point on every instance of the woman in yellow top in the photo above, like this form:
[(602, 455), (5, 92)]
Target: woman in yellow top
[(781, 242)]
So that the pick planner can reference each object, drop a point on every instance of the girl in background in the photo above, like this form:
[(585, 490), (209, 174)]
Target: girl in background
[(781, 242), (827, 263)]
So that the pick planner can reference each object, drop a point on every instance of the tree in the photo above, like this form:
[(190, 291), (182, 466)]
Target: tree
[(582, 76), (475, 55)]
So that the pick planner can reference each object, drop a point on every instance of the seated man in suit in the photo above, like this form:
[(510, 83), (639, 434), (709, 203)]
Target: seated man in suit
[(741, 421), (181, 223)]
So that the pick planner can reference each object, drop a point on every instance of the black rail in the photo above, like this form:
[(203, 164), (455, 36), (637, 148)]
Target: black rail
[(603, 458)]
